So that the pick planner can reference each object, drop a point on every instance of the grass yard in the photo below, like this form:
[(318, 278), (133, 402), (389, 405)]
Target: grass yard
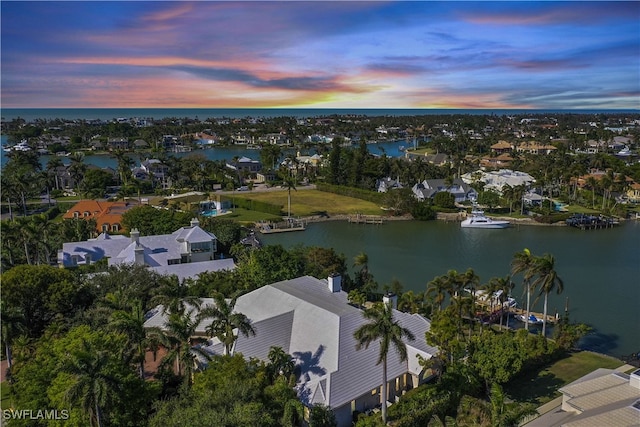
[(245, 216), (541, 387), (314, 202)]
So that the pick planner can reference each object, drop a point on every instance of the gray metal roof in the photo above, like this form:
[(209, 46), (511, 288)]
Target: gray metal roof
[(316, 326)]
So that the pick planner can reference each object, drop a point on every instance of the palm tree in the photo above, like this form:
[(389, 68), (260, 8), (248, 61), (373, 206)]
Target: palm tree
[(547, 280), (92, 382), (437, 290), (280, 363), (177, 336), (362, 260), (290, 184), (12, 326), (131, 324), (382, 327), (523, 262), (225, 321)]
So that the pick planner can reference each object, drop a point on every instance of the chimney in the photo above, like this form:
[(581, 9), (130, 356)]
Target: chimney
[(390, 299), (634, 379), (335, 282), (195, 222), (139, 254), (135, 236)]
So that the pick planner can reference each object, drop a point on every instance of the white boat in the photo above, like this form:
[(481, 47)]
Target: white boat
[(533, 320), (479, 220)]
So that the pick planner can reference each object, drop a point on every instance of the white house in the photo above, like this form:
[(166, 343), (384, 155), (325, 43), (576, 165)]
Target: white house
[(312, 320), (605, 397), (429, 187), (495, 180), (185, 253)]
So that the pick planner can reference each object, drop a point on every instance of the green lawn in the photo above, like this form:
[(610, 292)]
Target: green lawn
[(314, 202), (244, 215), (541, 387)]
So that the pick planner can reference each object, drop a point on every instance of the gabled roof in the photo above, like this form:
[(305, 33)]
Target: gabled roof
[(316, 326)]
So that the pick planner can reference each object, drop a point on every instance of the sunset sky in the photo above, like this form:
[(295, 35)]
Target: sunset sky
[(349, 54)]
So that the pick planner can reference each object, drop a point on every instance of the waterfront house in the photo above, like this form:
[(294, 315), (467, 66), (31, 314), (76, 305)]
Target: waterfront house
[(604, 397), (428, 188), (497, 179), (185, 253), (118, 143), (108, 215), (245, 164), (312, 320), (633, 193), (385, 184)]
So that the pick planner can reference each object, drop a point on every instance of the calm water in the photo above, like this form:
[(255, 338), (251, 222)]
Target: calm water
[(392, 149), (600, 269)]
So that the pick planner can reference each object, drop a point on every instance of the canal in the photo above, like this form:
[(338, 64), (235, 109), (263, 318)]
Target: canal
[(600, 269)]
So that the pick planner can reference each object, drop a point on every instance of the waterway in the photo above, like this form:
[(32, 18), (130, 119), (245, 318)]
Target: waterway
[(391, 149), (600, 269)]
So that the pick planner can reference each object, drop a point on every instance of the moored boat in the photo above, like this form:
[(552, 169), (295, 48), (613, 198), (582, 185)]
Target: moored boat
[(479, 220)]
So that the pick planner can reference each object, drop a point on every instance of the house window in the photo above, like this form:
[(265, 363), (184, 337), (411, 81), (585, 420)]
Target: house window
[(86, 214), (173, 261), (201, 247), (74, 259), (184, 259), (76, 214), (105, 227), (87, 258), (374, 392), (115, 227)]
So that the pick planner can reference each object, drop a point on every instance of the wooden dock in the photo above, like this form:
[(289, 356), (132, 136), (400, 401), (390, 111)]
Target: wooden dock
[(366, 219), (281, 227)]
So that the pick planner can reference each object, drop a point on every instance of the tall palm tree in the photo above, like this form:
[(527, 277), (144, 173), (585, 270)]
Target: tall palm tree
[(362, 260), (131, 323), (523, 262), (92, 381), (437, 290), (382, 327), (177, 336), (225, 321), (290, 184), (548, 280), (12, 325)]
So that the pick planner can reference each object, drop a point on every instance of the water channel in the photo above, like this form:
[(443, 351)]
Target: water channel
[(600, 268)]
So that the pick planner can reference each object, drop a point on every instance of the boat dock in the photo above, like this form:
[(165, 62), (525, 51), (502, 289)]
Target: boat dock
[(366, 219), (281, 227), (591, 222)]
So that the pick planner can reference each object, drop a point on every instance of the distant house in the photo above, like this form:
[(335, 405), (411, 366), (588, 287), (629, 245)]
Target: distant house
[(605, 397), (140, 144), (153, 170), (185, 253), (497, 179), (501, 161), (533, 147), (385, 184), (428, 188), (633, 193), (245, 164), (501, 147), (312, 320), (118, 143), (108, 215)]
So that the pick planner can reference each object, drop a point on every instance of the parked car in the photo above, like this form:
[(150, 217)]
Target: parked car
[(243, 188)]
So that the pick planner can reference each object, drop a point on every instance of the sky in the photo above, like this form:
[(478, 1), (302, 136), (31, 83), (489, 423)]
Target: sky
[(320, 54)]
